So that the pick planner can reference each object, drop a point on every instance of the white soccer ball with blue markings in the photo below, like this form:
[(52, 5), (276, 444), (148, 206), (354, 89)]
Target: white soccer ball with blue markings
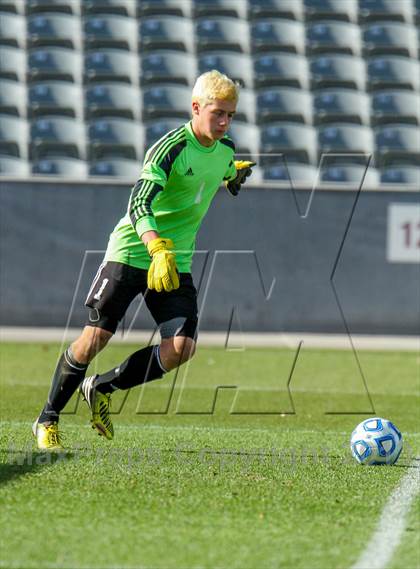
[(376, 441)]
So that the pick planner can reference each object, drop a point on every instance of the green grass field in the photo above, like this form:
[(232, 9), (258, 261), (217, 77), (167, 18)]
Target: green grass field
[(266, 480)]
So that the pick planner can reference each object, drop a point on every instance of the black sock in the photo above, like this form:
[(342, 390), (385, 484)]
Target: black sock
[(67, 376), (142, 366)]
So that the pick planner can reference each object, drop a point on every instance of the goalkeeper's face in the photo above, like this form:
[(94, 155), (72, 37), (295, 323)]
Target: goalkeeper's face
[(213, 120)]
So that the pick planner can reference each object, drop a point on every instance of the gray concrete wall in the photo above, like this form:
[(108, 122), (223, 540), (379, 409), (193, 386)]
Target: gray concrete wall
[(260, 264)]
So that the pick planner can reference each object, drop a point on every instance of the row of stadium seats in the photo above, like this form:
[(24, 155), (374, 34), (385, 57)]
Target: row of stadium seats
[(271, 69), (163, 101), (347, 10), (294, 172), (175, 32), (49, 136)]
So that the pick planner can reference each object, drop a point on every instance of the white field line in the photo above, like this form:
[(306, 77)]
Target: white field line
[(387, 536), (237, 340)]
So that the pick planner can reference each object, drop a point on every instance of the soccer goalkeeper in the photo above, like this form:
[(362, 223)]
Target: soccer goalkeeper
[(150, 252)]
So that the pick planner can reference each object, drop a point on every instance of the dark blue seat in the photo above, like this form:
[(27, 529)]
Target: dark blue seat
[(55, 98), (297, 174), (55, 64), (399, 106), (278, 35), (281, 69), (167, 101), (59, 30), (297, 142), (287, 103), (237, 66), (393, 72), (113, 100), (393, 10), (164, 8), (157, 129), (333, 37), (390, 38), (292, 9), (58, 136), (351, 174), (401, 175), (110, 31), (118, 7), (399, 143), (351, 140), (340, 70), (116, 167), (220, 8), (65, 167), (112, 65), (331, 9), (166, 32), (341, 105), (222, 34), (115, 137), (166, 66), (56, 6)]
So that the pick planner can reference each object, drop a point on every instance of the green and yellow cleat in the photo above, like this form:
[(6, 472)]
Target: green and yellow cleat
[(99, 404), (47, 436)]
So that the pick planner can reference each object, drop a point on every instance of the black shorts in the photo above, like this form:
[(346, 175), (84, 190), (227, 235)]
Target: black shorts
[(117, 284)]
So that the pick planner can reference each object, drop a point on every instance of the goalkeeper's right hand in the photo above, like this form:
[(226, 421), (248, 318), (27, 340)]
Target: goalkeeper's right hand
[(162, 274)]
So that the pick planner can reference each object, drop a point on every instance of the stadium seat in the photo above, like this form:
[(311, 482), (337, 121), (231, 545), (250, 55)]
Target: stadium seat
[(395, 106), (393, 10), (220, 8), (14, 139), (112, 65), (119, 7), (167, 66), (167, 101), (393, 73), (351, 174), (401, 175), (399, 143), (344, 71), (166, 32), (341, 105), (347, 140), (12, 98), (110, 31), (281, 69), (113, 100), (296, 142), (157, 129), (55, 98), (287, 103), (247, 140), (58, 136), (297, 174), (278, 35), (115, 137), (120, 167), (65, 6), (292, 9), (57, 63), (66, 167), (12, 30), (333, 37), (246, 111), (345, 10), (164, 8), (16, 167), (238, 66), (12, 63), (13, 6), (222, 34), (58, 30), (417, 11), (390, 38)]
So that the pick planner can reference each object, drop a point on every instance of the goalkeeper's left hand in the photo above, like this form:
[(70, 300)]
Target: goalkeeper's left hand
[(243, 170)]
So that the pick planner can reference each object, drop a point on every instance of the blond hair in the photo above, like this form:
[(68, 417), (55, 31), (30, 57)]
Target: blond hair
[(214, 85)]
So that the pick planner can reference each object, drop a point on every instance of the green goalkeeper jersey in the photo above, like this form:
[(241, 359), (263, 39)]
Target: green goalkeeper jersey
[(178, 181)]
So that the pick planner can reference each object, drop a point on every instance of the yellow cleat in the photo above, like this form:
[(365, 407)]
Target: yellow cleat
[(47, 436), (99, 404)]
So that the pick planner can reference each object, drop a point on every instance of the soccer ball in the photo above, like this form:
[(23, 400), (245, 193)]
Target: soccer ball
[(376, 441)]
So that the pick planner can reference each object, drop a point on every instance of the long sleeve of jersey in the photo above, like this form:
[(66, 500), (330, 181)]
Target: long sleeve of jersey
[(154, 176)]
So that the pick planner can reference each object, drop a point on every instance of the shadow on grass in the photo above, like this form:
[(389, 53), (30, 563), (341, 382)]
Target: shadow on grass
[(17, 463)]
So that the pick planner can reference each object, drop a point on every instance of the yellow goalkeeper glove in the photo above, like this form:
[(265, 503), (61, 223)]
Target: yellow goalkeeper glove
[(243, 170), (162, 274)]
